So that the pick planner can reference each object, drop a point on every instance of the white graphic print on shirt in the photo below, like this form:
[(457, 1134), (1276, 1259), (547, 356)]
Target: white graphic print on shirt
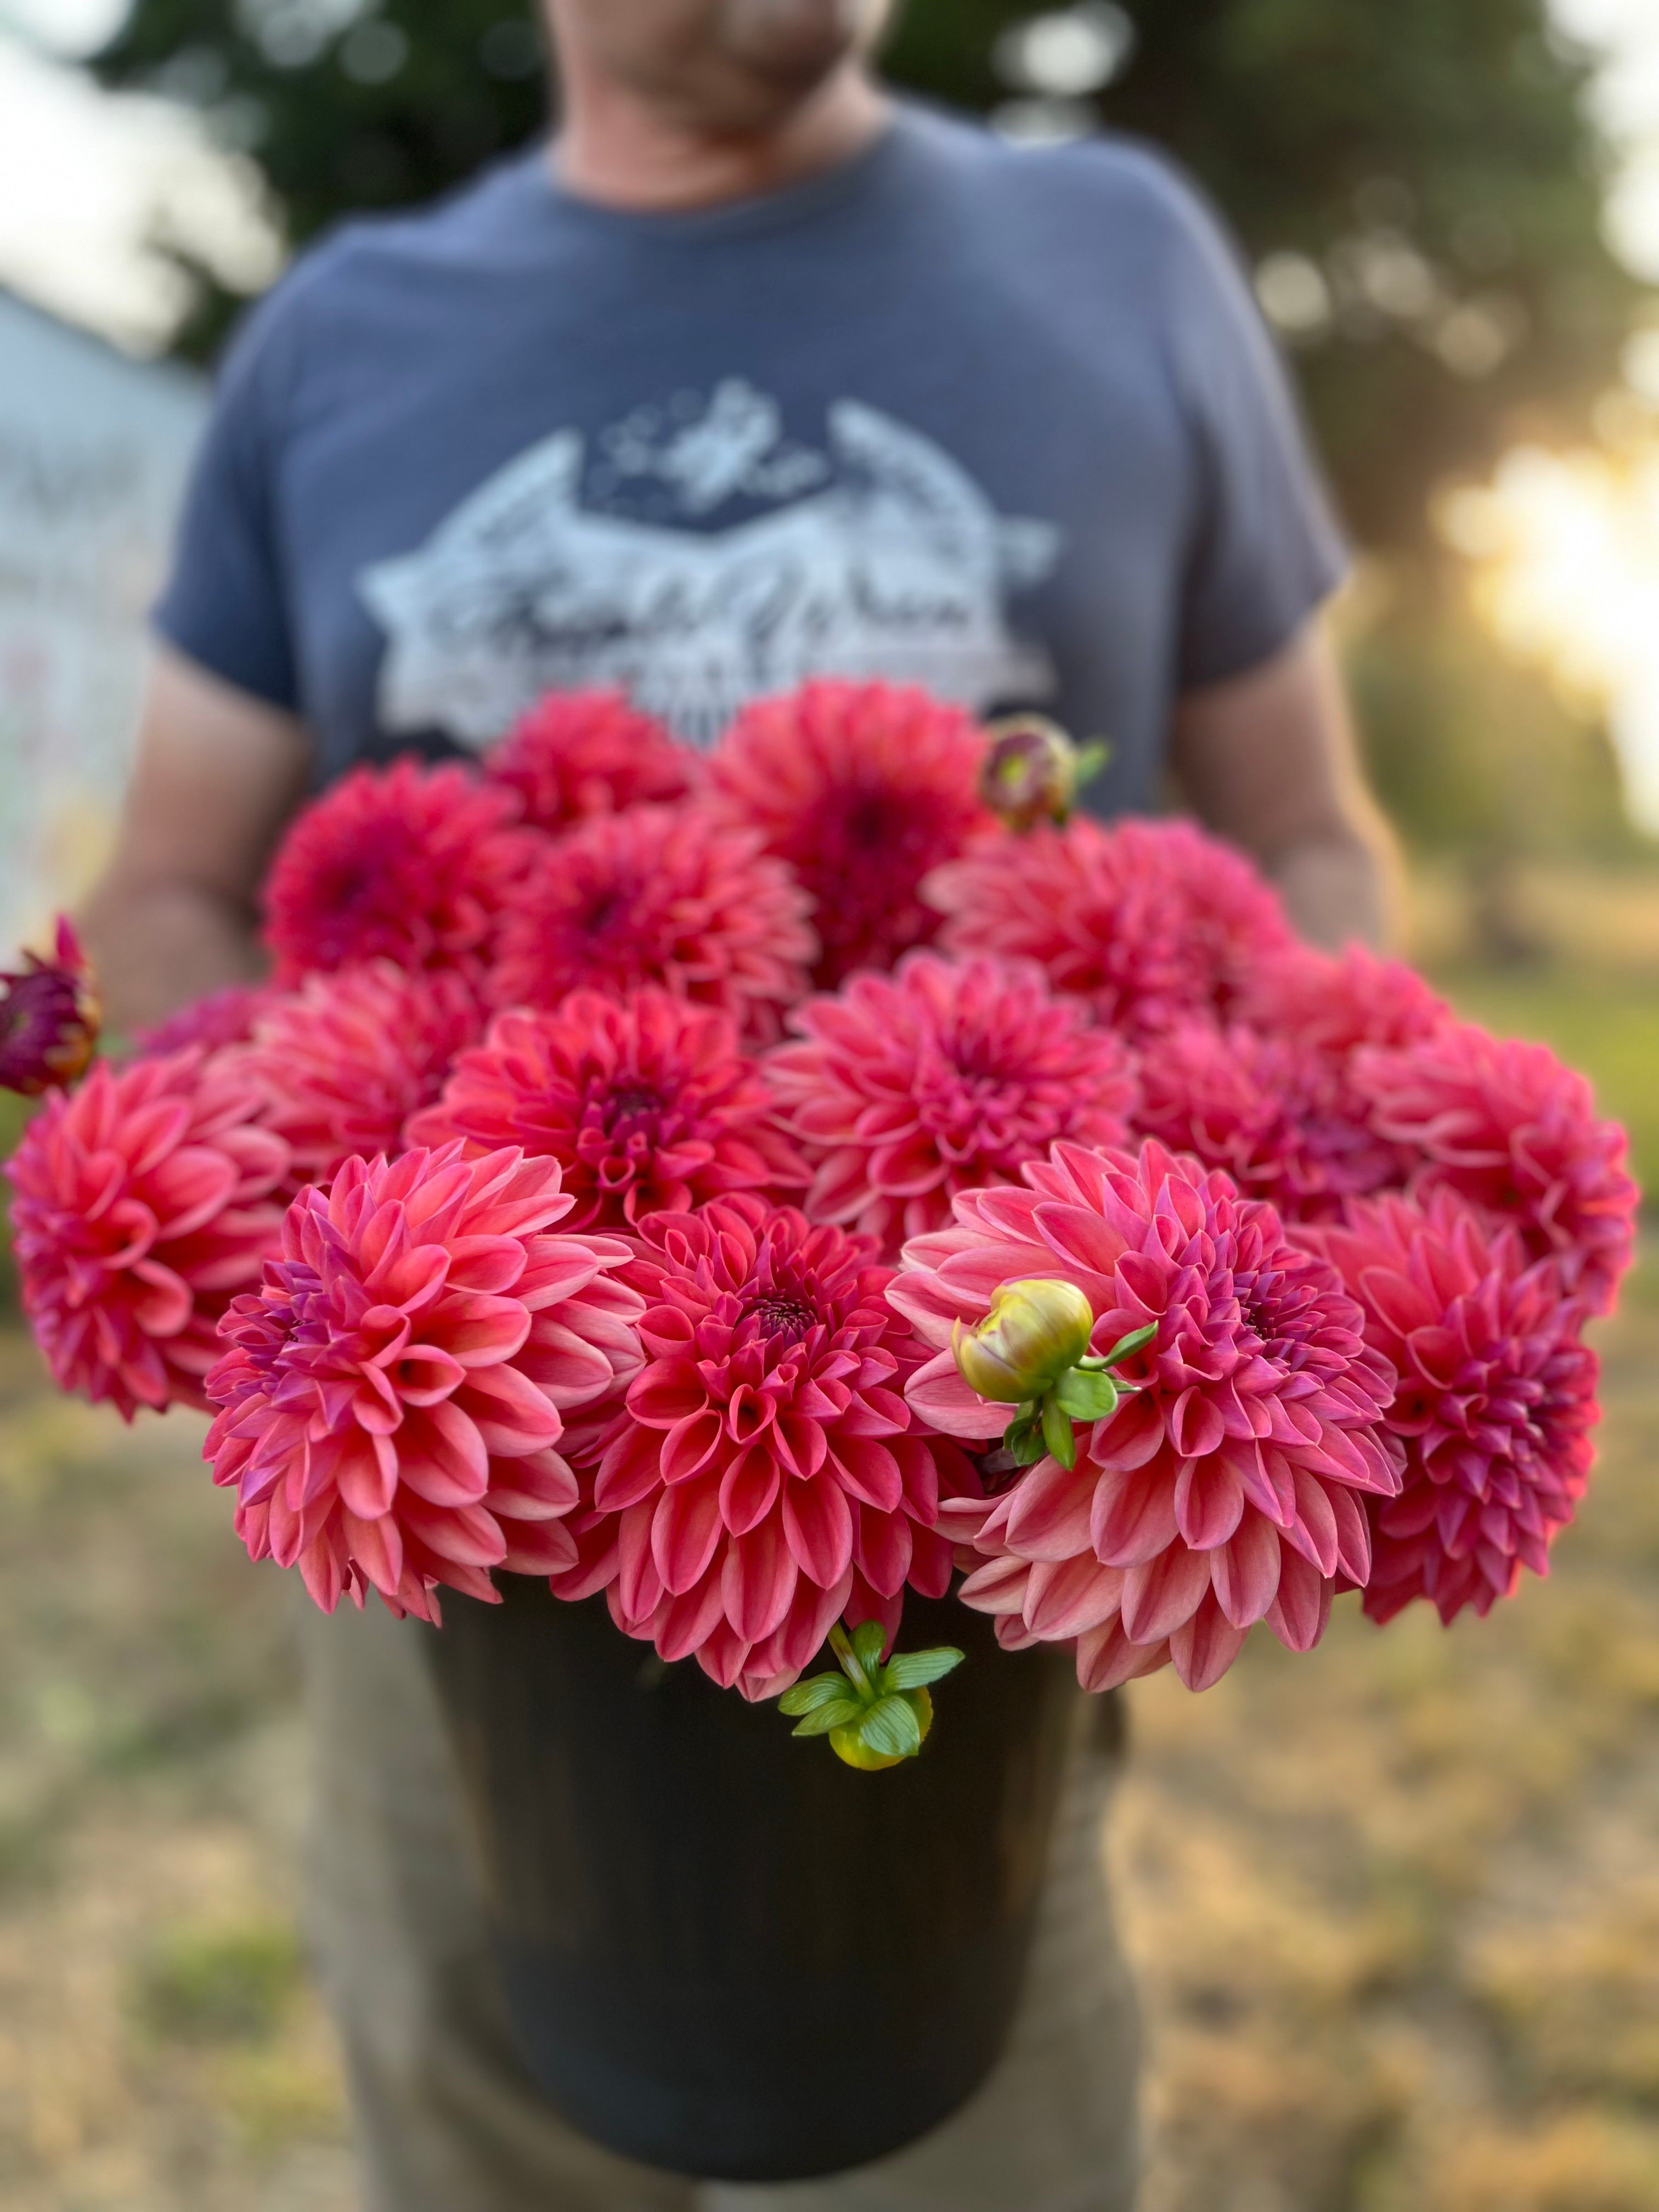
[(880, 558)]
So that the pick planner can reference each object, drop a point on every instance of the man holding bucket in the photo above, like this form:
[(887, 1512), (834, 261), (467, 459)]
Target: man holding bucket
[(753, 374)]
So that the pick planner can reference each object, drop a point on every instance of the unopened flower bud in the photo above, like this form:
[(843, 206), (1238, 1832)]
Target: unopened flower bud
[(1033, 771), (1035, 1332), (49, 1018)]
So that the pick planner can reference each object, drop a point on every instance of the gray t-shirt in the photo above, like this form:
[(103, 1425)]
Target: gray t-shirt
[(1004, 422)]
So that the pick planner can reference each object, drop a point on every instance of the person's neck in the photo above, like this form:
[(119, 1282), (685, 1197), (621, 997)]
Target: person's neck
[(618, 149)]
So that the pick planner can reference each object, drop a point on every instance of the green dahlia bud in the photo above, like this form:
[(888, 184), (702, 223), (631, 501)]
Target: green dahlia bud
[(1035, 1332)]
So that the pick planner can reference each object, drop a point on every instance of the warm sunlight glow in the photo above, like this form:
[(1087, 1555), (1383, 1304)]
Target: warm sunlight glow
[(1565, 548)]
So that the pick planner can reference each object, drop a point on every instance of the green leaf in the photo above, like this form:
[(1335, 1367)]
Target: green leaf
[(914, 1670), (806, 1697), (868, 1638), (840, 1714), (1058, 1433), (891, 1727), (1132, 1342), (1023, 1439), (1091, 759), (1086, 1396)]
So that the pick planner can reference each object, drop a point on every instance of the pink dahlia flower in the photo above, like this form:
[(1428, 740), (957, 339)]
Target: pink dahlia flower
[(348, 1058), (766, 1476), (391, 1401), (577, 754), (410, 864), (645, 1102), (144, 1204), (1147, 920), (1331, 1003), (1231, 1487), (1496, 1401), (1510, 1128), (862, 788), (222, 1018), (1275, 1114), (664, 895), (908, 1089)]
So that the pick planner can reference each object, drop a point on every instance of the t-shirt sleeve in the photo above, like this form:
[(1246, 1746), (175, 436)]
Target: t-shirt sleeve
[(226, 602), (1265, 549)]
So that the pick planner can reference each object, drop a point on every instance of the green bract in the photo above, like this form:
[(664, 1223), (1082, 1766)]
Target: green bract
[(874, 1716)]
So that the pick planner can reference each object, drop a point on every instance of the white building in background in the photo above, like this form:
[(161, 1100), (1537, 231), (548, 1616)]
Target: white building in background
[(94, 448)]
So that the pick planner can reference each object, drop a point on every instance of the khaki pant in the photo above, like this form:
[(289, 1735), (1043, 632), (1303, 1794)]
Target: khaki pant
[(447, 2123)]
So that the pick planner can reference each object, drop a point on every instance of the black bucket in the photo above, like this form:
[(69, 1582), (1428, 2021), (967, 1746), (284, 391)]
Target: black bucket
[(723, 1952)]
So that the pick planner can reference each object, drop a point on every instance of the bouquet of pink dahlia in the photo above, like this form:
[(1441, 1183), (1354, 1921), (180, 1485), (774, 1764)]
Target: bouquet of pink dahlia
[(752, 1189)]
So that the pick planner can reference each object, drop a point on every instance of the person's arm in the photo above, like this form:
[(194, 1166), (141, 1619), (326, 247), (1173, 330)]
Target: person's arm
[(218, 773), (1267, 760)]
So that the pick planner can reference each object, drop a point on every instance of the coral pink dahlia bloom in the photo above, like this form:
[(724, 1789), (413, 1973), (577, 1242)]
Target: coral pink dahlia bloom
[(767, 1475), (862, 788), (1147, 920), (1496, 1401), (645, 1102), (348, 1058), (577, 754), (391, 1401), (144, 1204), (409, 863), (1510, 1128), (1331, 1003), (1274, 1114), (664, 895), (908, 1089), (1231, 1488)]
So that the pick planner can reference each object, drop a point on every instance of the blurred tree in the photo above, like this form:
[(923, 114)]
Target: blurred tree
[(1417, 184)]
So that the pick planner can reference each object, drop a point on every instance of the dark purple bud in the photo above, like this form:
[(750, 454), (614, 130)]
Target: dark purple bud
[(49, 1018)]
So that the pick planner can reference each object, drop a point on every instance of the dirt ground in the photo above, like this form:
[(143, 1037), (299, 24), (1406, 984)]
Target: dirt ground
[(1395, 1906)]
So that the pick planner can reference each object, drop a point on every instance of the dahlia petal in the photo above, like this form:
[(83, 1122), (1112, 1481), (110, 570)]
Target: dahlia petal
[(685, 1531), (377, 1547), (1050, 1515), (537, 1547), (1159, 1595), (749, 1490), (882, 1550), (1244, 1572), (869, 1470), (1203, 1648), (757, 1581), (1299, 1612), (1132, 1517), (1067, 1597), (938, 1395), (1209, 1502), (686, 1622), (817, 1526), (1107, 1657), (1000, 1586), (690, 1445)]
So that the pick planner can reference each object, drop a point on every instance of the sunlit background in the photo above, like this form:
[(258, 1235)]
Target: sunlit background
[(1396, 1910)]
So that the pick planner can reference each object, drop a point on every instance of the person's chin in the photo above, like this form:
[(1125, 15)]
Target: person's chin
[(794, 43)]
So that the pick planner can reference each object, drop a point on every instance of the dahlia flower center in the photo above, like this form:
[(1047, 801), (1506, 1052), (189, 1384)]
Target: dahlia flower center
[(1283, 1317), (871, 822), (628, 1104), (781, 1316)]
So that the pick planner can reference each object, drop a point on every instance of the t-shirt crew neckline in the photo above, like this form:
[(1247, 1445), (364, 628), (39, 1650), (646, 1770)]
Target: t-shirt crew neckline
[(785, 207)]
